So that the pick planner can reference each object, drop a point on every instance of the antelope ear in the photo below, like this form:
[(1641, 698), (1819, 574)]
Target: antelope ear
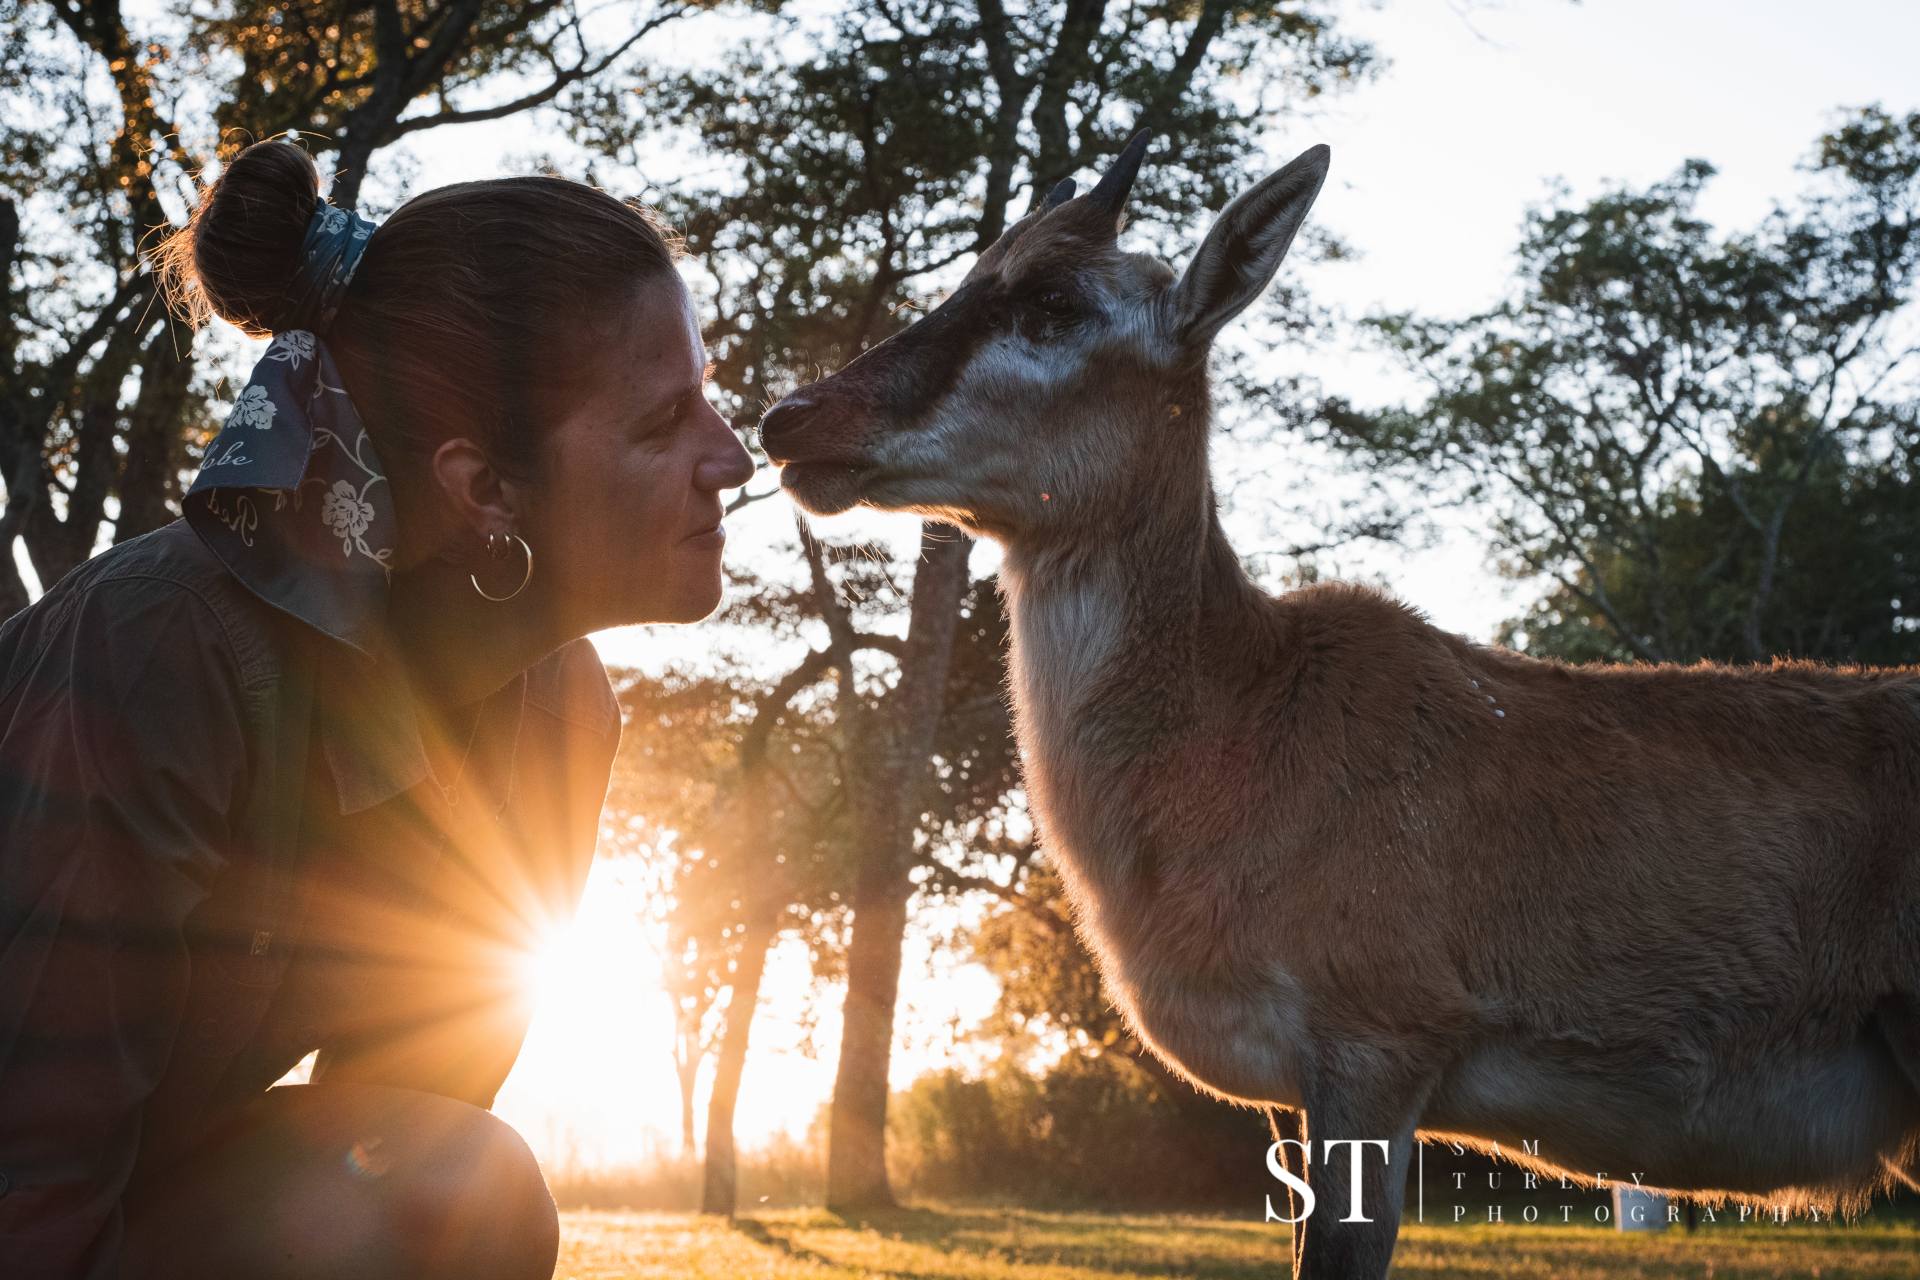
[(1238, 258)]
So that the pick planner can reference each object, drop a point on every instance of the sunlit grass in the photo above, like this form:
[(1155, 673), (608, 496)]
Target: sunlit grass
[(990, 1244)]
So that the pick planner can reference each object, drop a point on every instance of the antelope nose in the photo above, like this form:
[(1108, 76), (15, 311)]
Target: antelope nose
[(782, 423)]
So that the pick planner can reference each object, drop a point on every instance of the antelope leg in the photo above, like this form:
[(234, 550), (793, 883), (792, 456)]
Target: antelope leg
[(1358, 1172)]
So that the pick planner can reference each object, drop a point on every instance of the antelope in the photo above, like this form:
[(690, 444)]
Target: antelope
[(1332, 859)]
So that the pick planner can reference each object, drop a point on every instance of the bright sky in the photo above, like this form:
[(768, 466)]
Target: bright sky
[(1434, 165)]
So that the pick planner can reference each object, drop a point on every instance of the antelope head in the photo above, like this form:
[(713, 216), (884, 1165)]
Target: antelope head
[(1056, 381)]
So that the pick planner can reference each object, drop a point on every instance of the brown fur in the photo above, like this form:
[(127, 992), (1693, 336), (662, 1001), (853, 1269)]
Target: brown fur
[(1659, 920)]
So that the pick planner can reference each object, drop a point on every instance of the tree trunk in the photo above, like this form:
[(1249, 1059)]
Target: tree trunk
[(720, 1185), (150, 479), (13, 444), (56, 544), (856, 1142), (350, 170), (13, 588), (687, 1070), (22, 475), (887, 800)]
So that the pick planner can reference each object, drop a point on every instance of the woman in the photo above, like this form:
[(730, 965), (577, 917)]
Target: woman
[(314, 767)]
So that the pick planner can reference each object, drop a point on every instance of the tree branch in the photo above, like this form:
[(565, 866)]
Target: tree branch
[(1213, 16), (745, 499), (1062, 71), (770, 706), (940, 873), (547, 93), (1003, 151)]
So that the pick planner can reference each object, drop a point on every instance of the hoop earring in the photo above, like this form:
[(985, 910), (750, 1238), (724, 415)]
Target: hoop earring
[(498, 544)]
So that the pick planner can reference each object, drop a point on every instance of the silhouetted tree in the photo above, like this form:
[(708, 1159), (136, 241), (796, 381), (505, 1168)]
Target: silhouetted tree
[(1704, 444)]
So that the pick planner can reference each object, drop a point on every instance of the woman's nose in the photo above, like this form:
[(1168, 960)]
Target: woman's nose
[(727, 464)]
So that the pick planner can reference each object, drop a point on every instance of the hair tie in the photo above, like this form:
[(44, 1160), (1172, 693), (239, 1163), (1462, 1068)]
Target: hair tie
[(329, 255)]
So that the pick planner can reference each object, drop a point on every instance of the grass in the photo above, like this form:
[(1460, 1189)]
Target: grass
[(1013, 1244)]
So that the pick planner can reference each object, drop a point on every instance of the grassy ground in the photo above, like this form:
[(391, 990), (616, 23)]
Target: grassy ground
[(1000, 1244)]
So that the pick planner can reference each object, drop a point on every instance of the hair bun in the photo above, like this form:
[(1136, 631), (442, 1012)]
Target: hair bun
[(237, 257)]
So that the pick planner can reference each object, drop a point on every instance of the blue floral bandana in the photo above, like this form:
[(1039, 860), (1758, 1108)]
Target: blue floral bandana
[(291, 495)]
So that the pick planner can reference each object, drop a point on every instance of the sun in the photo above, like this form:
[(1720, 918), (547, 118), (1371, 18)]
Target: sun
[(594, 1082), (557, 975)]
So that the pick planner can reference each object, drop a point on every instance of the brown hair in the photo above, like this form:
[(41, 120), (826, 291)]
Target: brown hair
[(463, 318)]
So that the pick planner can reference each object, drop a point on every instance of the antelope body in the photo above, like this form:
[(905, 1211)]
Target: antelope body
[(1660, 921)]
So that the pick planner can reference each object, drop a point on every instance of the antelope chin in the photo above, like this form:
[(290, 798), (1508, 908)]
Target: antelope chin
[(933, 498), (822, 488)]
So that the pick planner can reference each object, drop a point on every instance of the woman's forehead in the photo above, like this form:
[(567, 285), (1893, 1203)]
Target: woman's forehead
[(648, 341)]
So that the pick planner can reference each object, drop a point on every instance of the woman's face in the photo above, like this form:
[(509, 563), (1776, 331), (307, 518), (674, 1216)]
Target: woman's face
[(626, 524)]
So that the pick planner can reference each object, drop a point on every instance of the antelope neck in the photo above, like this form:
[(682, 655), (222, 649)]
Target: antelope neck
[(1114, 644)]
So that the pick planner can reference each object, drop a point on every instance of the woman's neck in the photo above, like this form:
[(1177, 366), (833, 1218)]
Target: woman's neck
[(457, 647)]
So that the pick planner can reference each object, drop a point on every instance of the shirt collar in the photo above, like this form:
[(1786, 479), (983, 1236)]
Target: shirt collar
[(374, 735)]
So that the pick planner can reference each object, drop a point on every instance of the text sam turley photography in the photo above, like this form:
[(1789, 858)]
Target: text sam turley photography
[(1504, 1196)]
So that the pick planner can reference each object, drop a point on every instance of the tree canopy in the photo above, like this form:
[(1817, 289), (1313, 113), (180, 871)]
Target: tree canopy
[(1702, 444)]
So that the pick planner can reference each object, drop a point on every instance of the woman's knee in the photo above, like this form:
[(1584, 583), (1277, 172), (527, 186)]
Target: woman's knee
[(361, 1181), (474, 1203)]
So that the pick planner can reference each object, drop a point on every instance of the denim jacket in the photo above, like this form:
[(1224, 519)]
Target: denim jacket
[(227, 841)]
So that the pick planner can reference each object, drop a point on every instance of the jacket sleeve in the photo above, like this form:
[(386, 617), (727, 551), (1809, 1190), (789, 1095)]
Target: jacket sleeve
[(122, 762)]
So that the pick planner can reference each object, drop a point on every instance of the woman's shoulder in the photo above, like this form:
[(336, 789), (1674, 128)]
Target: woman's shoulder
[(571, 684), (151, 594)]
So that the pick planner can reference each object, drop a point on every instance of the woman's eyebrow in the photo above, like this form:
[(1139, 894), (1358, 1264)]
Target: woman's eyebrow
[(671, 399), (674, 397)]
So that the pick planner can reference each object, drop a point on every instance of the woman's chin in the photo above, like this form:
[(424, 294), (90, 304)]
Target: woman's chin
[(697, 603), (693, 598)]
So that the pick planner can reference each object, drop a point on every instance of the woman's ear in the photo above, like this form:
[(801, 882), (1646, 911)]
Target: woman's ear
[(481, 499)]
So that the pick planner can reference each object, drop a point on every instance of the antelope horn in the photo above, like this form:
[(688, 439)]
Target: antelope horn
[(1111, 195)]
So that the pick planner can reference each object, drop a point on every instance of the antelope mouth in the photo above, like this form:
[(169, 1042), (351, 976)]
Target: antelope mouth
[(822, 460), (824, 487)]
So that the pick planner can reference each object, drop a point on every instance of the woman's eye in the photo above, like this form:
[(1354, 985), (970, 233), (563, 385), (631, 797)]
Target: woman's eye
[(681, 411)]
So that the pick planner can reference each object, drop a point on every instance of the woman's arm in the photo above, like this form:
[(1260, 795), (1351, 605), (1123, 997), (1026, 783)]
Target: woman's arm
[(123, 761)]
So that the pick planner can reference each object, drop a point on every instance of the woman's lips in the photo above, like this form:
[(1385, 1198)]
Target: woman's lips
[(712, 536)]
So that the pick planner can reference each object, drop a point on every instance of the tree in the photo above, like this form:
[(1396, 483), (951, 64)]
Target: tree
[(92, 364), (1703, 444), (867, 155), (1074, 1109), (363, 75), (749, 779)]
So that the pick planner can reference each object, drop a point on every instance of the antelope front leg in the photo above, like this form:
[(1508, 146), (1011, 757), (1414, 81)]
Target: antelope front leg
[(1289, 1129), (1358, 1174)]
